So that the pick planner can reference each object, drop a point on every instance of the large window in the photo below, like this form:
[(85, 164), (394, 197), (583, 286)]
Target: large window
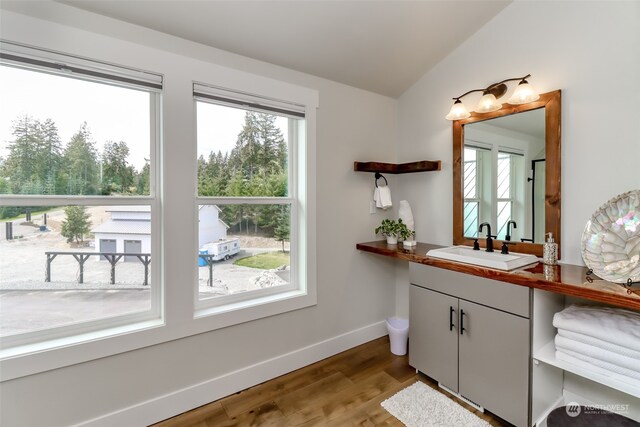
[(248, 197), (79, 214)]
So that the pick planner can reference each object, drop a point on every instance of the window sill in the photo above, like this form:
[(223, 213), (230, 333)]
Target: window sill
[(29, 359), (245, 311), (20, 361)]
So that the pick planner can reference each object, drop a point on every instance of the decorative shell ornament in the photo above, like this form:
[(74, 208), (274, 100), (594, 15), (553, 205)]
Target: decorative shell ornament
[(611, 239)]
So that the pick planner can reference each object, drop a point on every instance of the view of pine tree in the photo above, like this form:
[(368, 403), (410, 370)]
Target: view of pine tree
[(142, 179), (255, 167), (19, 166), (49, 157), (117, 173), (260, 147), (76, 223), (81, 161), (37, 163), (282, 230)]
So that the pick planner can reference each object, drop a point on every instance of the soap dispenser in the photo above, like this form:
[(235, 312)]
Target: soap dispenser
[(550, 251)]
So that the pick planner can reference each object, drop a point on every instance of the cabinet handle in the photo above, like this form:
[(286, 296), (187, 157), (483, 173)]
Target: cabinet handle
[(451, 311), (461, 322)]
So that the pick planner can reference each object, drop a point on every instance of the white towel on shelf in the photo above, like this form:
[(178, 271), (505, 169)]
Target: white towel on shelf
[(611, 367), (382, 197), (615, 325), (560, 355), (605, 345), (563, 343)]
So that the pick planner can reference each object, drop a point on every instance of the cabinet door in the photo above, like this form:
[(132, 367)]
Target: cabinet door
[(494, 350), (433, 340)]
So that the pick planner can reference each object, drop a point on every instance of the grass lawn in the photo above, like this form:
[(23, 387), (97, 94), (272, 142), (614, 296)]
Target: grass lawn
[(265, 261)]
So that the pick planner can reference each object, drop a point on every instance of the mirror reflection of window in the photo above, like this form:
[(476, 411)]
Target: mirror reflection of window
[(472, 164), (498, 158), (510, 201)]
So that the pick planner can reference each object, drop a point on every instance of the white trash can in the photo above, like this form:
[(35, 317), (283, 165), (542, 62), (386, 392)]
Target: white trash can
[(398, 335)]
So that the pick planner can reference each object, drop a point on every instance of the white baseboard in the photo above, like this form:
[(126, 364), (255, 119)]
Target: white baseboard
[(179, 401)]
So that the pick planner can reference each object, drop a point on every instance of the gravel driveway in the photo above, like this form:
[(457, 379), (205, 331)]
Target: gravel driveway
[(28, 303)]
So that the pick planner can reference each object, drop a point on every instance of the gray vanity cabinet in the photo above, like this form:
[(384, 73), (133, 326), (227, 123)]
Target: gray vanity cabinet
[(434, 320), (493, 361), (472, 335)]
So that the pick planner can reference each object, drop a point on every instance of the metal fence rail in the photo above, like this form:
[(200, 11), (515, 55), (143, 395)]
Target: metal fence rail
[(112, 257)]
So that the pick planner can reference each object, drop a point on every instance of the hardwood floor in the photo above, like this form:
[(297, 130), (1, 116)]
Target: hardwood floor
[(343, 390)]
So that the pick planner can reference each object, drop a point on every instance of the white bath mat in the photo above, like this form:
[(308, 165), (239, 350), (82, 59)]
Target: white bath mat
[(421, 406)]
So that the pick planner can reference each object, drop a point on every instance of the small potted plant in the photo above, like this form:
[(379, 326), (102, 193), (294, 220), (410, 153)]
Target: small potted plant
[(391, 229), (406, 236)]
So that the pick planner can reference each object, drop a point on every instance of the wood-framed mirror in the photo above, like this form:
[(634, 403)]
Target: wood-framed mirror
[(507, 167)]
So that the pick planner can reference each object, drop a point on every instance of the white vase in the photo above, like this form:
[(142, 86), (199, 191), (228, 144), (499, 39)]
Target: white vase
[(406, 215), (392, 240)]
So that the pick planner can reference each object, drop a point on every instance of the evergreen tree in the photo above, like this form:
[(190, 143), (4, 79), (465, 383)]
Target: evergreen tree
[(274, 148), (76, 223), (142, 183), (4, 185), (256, 167), (19, 167), (282, 229), (49, 156), (245, 157), (117, 173), (81, 164)]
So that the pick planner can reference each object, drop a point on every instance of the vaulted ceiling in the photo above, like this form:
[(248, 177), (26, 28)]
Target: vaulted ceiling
[(380, 46)]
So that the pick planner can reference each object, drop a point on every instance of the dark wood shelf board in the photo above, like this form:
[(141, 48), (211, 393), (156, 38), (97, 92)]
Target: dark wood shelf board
[(563, 279), (394, 168)]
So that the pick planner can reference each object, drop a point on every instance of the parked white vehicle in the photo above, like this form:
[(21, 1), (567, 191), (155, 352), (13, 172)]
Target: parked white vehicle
[(222, 249)]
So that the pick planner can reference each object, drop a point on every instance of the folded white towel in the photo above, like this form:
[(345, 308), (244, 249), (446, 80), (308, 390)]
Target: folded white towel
[(382, 197), (610, 370), (596, 369), (615, 325), (563, 343), (611, 367), (605, 345)]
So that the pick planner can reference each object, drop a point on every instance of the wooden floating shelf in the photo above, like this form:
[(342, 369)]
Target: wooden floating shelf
[(394, 168)]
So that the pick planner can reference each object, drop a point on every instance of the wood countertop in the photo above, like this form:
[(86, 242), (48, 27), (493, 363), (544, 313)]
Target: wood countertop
[(564, 279)]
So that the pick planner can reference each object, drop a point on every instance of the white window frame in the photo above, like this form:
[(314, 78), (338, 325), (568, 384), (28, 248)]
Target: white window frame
[(69, 66), (177, 310), (297, 285), (479, 187), (509, 199)]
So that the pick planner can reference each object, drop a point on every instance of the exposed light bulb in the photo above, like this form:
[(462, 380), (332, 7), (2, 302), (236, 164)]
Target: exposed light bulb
[(458, 111), (488, 103)]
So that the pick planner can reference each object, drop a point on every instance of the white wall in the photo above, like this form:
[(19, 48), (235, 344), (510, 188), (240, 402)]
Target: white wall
[(210, 228), (589, 50), (355, 290), (145, 242)]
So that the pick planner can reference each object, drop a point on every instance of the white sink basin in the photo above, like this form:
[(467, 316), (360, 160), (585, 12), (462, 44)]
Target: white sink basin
[(483, 258)]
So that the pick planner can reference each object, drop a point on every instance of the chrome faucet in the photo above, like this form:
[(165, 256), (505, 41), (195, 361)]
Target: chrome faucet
[(508, 236), (489, 236)]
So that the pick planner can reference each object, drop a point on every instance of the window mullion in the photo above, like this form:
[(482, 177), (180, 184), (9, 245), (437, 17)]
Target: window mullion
[(244, 200), (35, 200)]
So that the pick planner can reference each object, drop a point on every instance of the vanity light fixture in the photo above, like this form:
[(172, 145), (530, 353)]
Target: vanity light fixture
[(523, 94)]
